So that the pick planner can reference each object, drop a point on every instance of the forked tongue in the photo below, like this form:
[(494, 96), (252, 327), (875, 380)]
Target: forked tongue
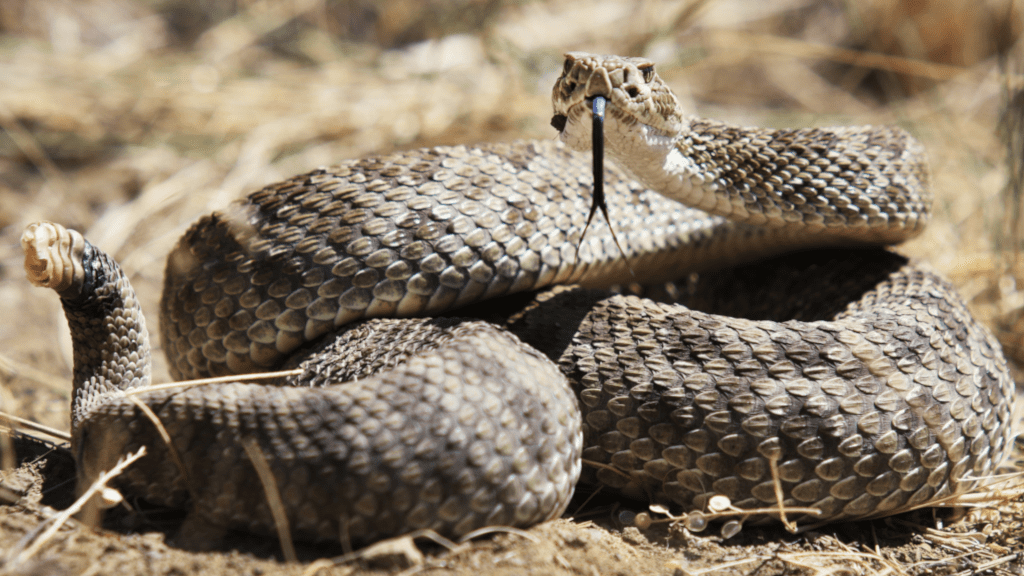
[(597, 200)]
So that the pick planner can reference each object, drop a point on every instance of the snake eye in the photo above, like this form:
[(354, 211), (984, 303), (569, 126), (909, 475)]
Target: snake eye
[(647, 72)]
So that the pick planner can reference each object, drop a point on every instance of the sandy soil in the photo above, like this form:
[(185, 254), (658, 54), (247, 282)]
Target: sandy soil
[(129, 120)]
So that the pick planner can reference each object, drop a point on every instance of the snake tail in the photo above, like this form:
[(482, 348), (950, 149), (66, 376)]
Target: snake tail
[(111, 343)]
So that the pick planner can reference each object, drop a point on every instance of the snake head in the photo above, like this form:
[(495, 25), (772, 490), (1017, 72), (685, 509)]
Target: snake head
[(640, 104)]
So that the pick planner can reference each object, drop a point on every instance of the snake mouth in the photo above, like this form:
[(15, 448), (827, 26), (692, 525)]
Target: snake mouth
[(560, 120), (647, 134)]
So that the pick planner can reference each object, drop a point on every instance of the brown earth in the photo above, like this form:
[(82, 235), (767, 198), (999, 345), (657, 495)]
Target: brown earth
[(128, 120)]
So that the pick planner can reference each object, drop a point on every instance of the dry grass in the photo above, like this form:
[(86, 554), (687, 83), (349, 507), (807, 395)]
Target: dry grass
[(128, 120), (34, 543)]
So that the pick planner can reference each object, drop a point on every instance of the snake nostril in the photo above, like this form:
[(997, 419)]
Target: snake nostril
[(558, 121), (632, 91)]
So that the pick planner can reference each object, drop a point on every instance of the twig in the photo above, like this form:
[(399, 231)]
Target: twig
[(604, 466), (21, 423), (732, 564), (214, 380), (167, 441), (771, 43), (986, 566), (259, 462), (777, 484), (315, 568), (589, 498), (492, 529), (411, 536), (59, 520)]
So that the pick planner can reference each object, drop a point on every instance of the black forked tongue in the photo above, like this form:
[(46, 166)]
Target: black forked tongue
[(597, 199)]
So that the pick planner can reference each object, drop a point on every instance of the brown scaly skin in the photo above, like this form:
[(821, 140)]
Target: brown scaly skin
[(467, 428), (872, 404)]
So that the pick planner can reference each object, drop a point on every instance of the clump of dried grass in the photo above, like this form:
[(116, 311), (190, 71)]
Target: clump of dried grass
[(959, 33)]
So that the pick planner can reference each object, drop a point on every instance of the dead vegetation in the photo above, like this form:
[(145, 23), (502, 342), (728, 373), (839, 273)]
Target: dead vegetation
[(127, 120)]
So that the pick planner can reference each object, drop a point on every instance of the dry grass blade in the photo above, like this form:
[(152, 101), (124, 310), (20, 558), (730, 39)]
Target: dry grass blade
[(989, 492), (396, 542), (167, 441), (216, 380), (583, 505), (273, 495), (770, 43), (777, 483), (57, 521), (986, 566), (604, 466), (493, 529), (8, 496), (822, 563), (733, 564), (19, 423), (322, 564)]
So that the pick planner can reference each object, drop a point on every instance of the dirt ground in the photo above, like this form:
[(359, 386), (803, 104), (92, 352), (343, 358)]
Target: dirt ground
[(128, 120)]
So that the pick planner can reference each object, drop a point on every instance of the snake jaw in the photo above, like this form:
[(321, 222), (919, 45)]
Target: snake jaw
[(53, 257)]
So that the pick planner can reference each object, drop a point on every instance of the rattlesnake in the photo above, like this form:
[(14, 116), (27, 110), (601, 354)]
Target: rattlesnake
[(867, 390)]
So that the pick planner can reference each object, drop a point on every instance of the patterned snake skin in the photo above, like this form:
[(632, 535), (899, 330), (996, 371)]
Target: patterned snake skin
[(868, 386)]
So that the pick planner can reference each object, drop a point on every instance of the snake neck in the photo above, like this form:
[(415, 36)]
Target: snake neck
[(108, 331), (864, 184)]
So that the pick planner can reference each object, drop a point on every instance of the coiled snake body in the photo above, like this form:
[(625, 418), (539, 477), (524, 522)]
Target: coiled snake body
[(868, 390)]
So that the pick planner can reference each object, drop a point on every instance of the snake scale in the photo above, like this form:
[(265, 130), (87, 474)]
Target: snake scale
[(867, 390)]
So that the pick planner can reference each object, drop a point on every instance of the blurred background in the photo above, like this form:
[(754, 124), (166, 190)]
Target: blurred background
[(128, 119)]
